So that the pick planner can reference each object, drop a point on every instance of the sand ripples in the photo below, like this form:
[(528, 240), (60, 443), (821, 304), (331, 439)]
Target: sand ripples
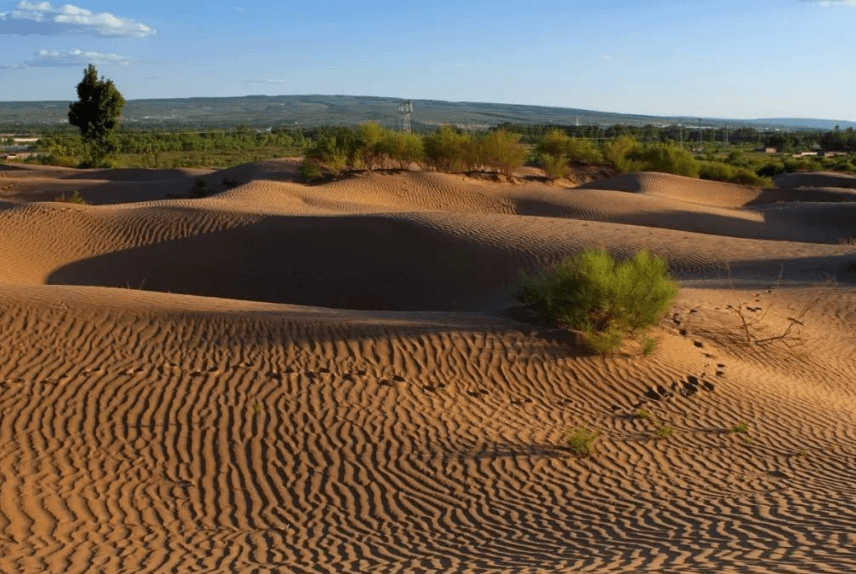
[(147, 432)]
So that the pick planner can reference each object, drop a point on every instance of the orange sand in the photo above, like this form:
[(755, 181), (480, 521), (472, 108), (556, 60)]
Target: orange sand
[(330, 378)]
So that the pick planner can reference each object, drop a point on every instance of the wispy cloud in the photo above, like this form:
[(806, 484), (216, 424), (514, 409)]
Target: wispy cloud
[(72, 58), (46, 19), (831, 2)]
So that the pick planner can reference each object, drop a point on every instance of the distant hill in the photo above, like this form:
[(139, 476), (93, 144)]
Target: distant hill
[(807, 123), (312, 111)]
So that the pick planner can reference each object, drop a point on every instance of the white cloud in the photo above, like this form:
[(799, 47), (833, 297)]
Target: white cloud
[(68, 58), (46, 19)]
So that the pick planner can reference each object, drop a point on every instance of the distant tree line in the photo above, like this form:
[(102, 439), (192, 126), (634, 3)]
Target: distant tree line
[(836, 140), (333, 150)]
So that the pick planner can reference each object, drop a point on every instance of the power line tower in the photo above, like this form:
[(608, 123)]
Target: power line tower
[(406, 110)]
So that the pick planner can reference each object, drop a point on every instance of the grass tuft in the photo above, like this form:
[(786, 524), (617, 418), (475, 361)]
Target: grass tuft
[(581, 440)]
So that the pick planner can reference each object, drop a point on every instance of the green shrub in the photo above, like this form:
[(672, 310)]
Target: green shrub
[(649, 346), (555, 143), (802, 164), (664, 158), (370, 136), (198, 190), (555, 166), (771, 169), (502, 151), (665, 431), (400, 149), (450, 151), (582, 151), (718, 171), (75, 198), (615, 151), (336, 162), (310, 170), (605, 299), (581, 440), (337, 149)]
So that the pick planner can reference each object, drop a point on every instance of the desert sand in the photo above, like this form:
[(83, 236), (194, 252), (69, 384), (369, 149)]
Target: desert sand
[(283, 377)]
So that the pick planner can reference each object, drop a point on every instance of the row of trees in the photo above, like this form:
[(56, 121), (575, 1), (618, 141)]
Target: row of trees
[(371, 146), (790, 141), (138, 142)]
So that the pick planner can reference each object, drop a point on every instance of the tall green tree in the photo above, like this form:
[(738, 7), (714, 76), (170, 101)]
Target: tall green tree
[(96, 113)]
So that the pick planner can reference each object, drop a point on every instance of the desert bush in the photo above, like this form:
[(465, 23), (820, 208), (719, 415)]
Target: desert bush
[(615, 151), (718, 171), (555, 166), (664, 158), (75, 198), (400, 149), (502, 151), (311, 170), (198, 190), (370, 136), (802, 164), (605, 299), (554, 143), (771, 169), (450, 151), (335, 149), (582, 151), (336, 162)]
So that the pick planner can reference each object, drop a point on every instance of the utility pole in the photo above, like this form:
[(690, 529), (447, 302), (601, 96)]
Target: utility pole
[(406, 111)]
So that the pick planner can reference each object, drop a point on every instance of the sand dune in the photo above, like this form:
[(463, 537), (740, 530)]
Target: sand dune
[(823, 179), (290, 378)]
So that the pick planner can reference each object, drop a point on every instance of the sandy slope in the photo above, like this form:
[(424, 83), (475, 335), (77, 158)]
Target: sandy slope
[(332, 384)]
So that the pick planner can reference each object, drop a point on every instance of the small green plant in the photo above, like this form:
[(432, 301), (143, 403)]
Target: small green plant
[(665, 431), (605, 299), (198, 189), (642, 414), (230, 183), (649, 345), (847, 241), (75, 198), (581, 440), (739, 428)]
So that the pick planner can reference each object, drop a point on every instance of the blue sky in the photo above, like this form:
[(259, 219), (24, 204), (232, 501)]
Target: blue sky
[(712, 58)]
